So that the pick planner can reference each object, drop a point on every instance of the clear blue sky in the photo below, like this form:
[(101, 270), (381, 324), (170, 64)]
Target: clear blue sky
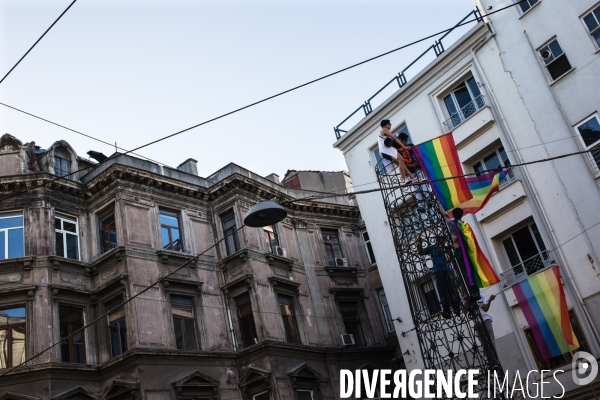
[(133, 71)]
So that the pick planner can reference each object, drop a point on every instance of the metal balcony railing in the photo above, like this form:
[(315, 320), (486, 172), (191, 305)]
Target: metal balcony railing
[(400, 78), (464, 113), (526, 268)]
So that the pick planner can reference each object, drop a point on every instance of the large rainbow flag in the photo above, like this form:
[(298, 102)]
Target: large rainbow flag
[(479, 270), (482, 188), (542, 300), (439, 160)]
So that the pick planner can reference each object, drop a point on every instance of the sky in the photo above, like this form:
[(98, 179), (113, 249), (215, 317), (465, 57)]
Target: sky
[(133, 71)]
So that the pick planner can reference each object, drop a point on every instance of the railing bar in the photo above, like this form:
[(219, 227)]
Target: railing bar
[(351, 115), (380, 90), (418, 58)]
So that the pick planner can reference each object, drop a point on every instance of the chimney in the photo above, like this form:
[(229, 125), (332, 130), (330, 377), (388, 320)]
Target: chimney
[(273, 178), (190, 166)]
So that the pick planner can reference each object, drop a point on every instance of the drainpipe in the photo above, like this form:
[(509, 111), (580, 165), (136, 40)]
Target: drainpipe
[(227, 306)]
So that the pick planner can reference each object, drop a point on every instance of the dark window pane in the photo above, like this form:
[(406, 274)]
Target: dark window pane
[(479, 169), (590, 22), (190, 334), (596, 36), (69, 226), (511, 252), (72, 248), (555, 48), (179, 332), (333, 248), (492, 162), (304, 395), (113, 303), (246, 319), (538, 237), (550, 58), (473, 87), (123, 334), (590, 131), (182, 301), (77, 340), (57, 223), (525, 6), (450, 106), (263, 396), (559, 67), (70, 315), (431, 300), (60, 245), (462, 95), (65, 353), (371, 253), (597, 13), (525, 244)]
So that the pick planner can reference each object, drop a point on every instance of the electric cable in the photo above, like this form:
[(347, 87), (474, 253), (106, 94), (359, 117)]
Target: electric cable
[(37, 41), (271, 97), (80, 133)]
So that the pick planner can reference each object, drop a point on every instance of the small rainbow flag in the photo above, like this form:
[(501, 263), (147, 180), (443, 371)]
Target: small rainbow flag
[(439, 160), (543, 302), (479, 270), (482, 188)]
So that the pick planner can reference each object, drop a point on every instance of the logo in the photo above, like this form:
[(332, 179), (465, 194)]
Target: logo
[(584, 368)]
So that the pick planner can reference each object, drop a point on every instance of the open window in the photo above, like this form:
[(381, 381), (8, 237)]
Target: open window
[(184, 322), (333, 248), (107, 231), (232, 242), (526, 250), (588, 132), (495, 160), (72, 348), (117, 326), (463, 100), (246, 319), (288, 316), (555, 59)]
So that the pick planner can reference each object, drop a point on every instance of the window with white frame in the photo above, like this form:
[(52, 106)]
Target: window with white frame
[(67, 236), (495, 160), (386, 311), (526, 250), (369, 247), (592, 23), (554, 59), (462, 102), (589, 134), (527, 4), (11, 235)]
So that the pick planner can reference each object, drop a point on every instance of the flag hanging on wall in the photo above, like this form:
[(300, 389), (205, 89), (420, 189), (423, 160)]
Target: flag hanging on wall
[(440, 162), (543, 302), (482, 188), (479, 270)]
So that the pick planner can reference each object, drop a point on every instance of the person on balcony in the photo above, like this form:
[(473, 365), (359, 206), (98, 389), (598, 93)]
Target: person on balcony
[(389, 150), (443, 276)]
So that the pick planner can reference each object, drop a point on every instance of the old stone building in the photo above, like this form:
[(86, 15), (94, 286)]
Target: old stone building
[(260, 316)]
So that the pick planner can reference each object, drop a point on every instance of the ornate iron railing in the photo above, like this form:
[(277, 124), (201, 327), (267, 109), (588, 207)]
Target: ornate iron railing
[(400, 78), (526, 268), (464, 113)]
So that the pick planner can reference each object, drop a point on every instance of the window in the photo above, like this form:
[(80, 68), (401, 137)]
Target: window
[(11, 235), (555, 59), (566, 358), (171, 231), (62, 165), (592, 23), (271, 238), (370, 253), (72, 350), (462, 102), (286, 306), (496, 160), (232, 243), (107, 232), (527, 4), (386, 311), (184, 323), (262, 396), (589, 134), (526, 250), (432, 304), (292, 183), (67, 236), (333, 249), (117, 326), (349, 311), (305, 394), (246, 318), (12, 337)]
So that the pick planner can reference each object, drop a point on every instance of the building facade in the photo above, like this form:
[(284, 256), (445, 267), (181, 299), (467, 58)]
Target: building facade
[(268, 313), (519, 86)]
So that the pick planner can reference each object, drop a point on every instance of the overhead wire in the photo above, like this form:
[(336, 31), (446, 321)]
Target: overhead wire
[(37, 41)]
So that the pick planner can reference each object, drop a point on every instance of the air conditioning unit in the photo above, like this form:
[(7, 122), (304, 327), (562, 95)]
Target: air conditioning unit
[(280, 251), (546, 54), (341, 262), (347, 340)]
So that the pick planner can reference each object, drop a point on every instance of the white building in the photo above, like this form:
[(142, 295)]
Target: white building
[(522, 87)]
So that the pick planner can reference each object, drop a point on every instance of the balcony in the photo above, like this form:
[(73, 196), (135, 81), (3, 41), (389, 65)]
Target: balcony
[(464, 113), (526, 268)]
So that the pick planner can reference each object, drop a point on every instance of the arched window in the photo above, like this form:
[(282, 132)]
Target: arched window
[(62, 163)]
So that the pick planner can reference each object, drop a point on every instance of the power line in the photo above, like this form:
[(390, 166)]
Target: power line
[(267, 98), (79, 133), (37, 41)]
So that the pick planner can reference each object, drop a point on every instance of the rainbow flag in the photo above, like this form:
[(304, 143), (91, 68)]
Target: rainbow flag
[(482, 188), (479, 270), (439, 160), (543, 302)]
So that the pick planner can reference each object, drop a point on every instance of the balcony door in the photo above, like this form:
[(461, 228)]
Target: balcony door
[(458, 102)]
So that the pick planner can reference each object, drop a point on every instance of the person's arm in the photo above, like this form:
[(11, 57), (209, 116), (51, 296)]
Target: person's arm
[(389, 133), (486, 306)]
